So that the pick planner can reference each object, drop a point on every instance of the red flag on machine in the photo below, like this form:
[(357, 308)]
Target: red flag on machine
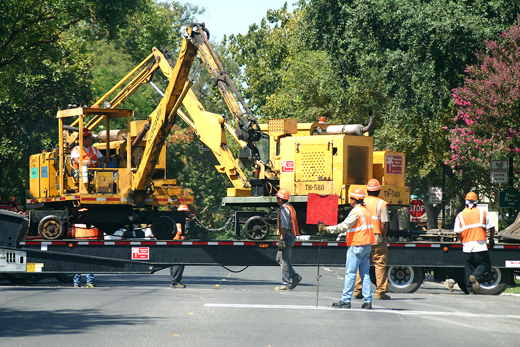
[(322, 208)]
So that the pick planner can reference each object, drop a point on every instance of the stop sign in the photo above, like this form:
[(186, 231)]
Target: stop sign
[(416, 208)]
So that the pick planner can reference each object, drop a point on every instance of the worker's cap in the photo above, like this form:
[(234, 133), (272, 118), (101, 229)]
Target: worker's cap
[(86, 132), (373, 185), (358, 194)]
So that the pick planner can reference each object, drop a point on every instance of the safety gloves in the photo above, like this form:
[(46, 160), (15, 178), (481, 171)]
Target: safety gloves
[(322, 228), (281, 245)]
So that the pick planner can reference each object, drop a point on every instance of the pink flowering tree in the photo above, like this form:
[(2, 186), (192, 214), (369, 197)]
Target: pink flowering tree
[(488, 115)]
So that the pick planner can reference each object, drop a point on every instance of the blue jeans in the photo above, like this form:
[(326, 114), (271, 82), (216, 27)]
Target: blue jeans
[(357, 257), (90, 278)]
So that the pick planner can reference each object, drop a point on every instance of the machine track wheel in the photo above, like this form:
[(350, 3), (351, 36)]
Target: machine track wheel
[(256, 228), (52, 228), (164, 228)]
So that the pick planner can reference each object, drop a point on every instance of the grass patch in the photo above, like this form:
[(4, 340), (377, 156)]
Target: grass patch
[(514, 289)]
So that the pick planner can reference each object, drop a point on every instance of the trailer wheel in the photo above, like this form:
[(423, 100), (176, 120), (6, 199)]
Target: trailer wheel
[(17, 278), (256, 228), (164, 228), (64, 278), (404, 279), (52, 228), (496, 281)]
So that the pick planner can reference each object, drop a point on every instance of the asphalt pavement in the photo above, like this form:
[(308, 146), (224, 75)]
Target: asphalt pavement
[(226, 307)]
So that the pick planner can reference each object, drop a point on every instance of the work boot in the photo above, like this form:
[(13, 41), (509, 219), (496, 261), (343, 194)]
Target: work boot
[(341, 304), (283, 288), (296, 281), (89, 285), (449, 284), (384, 296), (474, 284), (367, 305), (178, 285)]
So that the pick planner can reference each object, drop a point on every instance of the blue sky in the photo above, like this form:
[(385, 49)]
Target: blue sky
[(226, 17)]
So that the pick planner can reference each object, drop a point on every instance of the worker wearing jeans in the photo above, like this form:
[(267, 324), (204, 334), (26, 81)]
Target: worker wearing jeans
[(358, 257), (359, 237)]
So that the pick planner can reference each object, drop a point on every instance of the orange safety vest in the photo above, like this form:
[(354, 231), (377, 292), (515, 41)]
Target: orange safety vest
[(82, 232), (363, 231), (472, 222), (375, 207), (178, 234), (92, 155), (294, 222)]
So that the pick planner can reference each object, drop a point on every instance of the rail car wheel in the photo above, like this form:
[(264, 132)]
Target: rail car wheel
[(404, 279), (52, 228), (256, 228), (164, 228)]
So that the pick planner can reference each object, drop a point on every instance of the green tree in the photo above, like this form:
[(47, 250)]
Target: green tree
[(401, 58), (487, 126), (44, 66)]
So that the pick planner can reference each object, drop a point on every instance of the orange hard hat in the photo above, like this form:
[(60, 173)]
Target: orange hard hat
[(358, 194), (373, 185), (472, 196), (86, 132), (283, 194), (183, 208)]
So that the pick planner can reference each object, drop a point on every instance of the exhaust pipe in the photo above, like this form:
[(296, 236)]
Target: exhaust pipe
[(351, 129)]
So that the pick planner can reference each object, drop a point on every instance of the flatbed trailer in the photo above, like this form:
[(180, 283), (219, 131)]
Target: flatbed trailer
[(407, 261)]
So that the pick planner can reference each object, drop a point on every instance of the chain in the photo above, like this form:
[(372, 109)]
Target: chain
[(199, 223)]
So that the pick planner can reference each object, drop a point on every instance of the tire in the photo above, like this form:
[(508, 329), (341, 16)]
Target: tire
[(404, 279), (52, 228), (496, 281), (164, 228), (256, 228), (65, 278)]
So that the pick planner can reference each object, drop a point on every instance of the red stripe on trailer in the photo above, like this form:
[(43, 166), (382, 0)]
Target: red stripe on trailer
[(511, 247), (397, 245), (424, 245), (456, 246)]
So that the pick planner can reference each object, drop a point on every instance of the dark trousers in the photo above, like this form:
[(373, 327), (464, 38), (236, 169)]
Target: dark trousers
[(176, 272), (478, 264)]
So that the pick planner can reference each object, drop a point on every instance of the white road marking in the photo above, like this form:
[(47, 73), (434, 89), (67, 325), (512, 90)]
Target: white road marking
[(403, 312)]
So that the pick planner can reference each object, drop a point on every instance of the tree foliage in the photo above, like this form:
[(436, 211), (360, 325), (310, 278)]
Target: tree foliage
[(401, 58), (487, 126)]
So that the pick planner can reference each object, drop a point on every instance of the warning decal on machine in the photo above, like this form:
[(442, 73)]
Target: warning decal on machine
[(287, 165)]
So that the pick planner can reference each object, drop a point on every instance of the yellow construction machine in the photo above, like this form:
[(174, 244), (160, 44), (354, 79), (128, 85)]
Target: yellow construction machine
[(129, 190), (302, 158)]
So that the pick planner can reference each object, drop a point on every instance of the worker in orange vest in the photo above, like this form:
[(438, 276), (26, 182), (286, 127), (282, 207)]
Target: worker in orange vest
[(177, 271), (359, 236), (471, 225), (287, 229), (91, 156), (379, 253), (83, 232)]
